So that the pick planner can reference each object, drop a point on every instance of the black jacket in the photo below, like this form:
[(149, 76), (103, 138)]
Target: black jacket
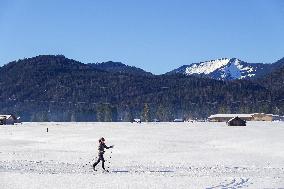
[(101, 148)]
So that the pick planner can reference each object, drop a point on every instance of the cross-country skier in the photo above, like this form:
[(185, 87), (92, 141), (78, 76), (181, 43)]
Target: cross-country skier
[(101, 151)]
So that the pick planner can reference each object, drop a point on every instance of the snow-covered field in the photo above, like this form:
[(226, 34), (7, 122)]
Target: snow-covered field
[(154, 155)]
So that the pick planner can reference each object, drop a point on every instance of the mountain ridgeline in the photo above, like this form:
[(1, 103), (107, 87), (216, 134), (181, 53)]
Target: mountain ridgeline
[(118, 67), (55, 88)]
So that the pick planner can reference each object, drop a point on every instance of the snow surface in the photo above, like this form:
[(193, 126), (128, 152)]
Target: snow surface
[(148, 155)]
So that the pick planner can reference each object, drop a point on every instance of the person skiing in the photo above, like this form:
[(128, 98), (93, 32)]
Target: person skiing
[(101, 151)]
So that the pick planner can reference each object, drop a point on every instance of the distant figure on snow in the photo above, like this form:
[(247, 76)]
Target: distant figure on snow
[(101, 151)]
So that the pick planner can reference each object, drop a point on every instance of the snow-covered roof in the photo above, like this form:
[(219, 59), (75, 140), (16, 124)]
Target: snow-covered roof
[(264, 114), (232, 119), (230, 115), (178, 120), (5, 116)]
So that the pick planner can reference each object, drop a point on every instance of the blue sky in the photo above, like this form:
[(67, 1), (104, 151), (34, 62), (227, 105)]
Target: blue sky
[(156, 35)]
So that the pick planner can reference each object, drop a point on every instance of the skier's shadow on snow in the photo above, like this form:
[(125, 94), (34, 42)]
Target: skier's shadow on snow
[(156, 171), (119, 171), (234, 184)]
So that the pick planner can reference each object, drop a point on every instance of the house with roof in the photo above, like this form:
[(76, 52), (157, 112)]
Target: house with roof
[(236, 121), (227, 117), (246, 117), (8, 119)]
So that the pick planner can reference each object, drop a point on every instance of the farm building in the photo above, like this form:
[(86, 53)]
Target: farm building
[(178, 120), (136, 120), (236, 121), (262, 117), (246, 117), (8, 119), (227, 117)]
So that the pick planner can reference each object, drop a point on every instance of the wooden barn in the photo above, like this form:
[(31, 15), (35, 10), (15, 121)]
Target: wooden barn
[(8, 120), (262, 117), (236, 121), (136, 120), (246, 117), (227, 117)]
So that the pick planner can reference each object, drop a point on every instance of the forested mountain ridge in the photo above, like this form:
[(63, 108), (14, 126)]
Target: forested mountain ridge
[(118, 67), (55, 88)]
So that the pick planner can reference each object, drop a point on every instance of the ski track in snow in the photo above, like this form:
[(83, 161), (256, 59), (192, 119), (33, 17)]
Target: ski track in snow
[(234, 184), (244, 173), (243, 181)]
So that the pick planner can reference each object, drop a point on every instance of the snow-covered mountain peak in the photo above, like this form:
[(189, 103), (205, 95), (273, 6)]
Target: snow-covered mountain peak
[(206, 67), (236, 69), (222, 69)]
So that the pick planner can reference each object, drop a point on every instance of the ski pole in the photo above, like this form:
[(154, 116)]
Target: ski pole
[(109, 160)]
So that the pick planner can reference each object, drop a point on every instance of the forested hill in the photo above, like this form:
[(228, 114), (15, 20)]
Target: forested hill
[(54, 88), (274, 82), (118, 67)]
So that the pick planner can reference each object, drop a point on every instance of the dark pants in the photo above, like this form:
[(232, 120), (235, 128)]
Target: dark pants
[(101, 158)]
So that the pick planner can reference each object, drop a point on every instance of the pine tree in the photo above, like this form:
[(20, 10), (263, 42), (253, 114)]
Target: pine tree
[(164, 113), (107, 113), (146, 113)]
